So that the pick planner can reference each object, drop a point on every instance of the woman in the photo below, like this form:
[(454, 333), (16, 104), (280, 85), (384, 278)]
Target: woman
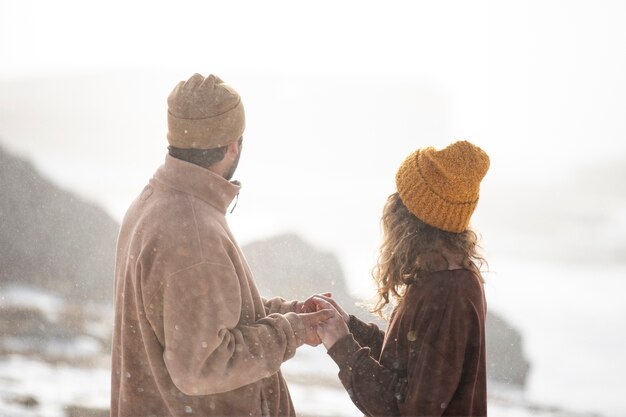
[(431, 360)]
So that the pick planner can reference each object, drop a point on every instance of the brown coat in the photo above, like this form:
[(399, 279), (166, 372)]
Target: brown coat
[(431, 361), (192, 335)]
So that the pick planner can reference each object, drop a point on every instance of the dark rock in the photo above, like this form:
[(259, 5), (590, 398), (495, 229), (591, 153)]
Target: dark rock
[(288, 267), (51, 239), (506, 362), (26, 401), (77, 411)]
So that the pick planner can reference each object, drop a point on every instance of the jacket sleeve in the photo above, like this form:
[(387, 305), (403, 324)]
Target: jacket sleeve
[(367, 335), (371, 387), (205, 350)]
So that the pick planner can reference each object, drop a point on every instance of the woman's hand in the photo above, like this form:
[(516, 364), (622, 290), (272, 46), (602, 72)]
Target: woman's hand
[(308, 306), (333, 329)]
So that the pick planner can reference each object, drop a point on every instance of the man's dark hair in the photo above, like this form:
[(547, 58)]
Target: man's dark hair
[(202, 157)]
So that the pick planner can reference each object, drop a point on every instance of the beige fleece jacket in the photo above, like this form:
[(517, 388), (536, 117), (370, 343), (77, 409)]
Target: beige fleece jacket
[(192, 335)]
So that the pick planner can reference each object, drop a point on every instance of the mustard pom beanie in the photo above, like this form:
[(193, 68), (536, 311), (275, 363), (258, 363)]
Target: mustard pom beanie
[(441, 187), (204, 113)]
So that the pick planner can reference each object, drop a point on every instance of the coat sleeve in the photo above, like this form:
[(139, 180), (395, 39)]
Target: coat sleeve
[(206, 351)]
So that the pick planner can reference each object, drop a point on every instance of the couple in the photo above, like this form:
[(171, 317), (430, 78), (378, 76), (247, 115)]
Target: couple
[(193, 336)]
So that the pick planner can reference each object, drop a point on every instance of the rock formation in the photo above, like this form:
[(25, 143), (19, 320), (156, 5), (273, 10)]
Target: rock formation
[(51, 239)]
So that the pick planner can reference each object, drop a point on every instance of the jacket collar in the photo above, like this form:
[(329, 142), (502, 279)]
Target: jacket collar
[(198, 182)]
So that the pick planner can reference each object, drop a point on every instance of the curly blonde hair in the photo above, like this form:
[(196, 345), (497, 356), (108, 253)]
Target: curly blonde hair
[(411, 248)]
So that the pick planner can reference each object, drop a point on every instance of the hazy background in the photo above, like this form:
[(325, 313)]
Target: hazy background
[(337, 93)]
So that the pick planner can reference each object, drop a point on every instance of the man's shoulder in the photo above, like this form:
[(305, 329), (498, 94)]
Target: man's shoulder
[(168, 214), (165, 205)]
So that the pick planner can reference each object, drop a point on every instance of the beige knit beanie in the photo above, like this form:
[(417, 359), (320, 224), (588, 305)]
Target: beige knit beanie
[(204, 113), (441, 187)]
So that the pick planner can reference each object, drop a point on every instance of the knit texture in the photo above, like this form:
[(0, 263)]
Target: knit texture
[(441, 187), (204, 113)]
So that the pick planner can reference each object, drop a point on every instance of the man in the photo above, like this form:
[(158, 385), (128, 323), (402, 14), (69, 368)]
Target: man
[(192, 335)]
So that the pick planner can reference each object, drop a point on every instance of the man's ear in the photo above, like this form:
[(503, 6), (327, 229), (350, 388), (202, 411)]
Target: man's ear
[(233, 148)]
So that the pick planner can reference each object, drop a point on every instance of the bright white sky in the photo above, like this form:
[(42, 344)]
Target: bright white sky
[(542, 75), (384, 37)]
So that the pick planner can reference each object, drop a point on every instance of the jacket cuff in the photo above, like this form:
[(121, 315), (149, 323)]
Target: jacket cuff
[(279, 305), (342, 351), (297, 325)]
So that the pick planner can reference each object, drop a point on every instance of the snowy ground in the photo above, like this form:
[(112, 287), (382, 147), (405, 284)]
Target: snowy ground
[(55, 381), (31, 388)]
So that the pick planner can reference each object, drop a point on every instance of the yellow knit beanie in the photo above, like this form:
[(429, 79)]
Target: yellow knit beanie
[(441, 187), (204, 113)]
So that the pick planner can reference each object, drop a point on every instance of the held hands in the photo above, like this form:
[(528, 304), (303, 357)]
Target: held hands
[(308, 305), (325, 321), (336, 326), (307, 311), (312, 321), (328, 298)]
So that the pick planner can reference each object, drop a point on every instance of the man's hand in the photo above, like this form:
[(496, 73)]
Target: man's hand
[(333, 329), (312, 321)]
